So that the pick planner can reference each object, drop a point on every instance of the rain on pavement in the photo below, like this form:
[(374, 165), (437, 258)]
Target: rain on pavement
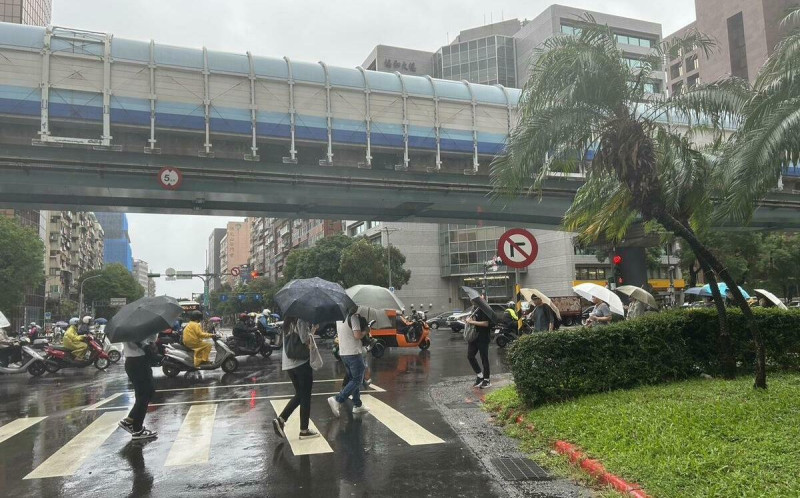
[(58, 433)]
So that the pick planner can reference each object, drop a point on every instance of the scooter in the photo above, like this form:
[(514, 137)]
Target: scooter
[(114, 354), (58, 357), (505, 334), (21, 357), (178, 358), (263, 345)]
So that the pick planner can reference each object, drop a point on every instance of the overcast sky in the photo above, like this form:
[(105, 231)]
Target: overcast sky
[(338, 32)]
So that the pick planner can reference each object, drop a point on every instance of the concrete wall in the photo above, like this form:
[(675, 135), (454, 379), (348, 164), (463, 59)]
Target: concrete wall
[(422, 60)]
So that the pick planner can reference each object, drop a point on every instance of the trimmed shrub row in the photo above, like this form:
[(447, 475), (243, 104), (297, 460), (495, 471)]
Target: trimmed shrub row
[(656, 348)]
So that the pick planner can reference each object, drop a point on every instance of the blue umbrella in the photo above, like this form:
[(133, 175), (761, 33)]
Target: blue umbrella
[(695, 291), (723, 289), (101, 321)]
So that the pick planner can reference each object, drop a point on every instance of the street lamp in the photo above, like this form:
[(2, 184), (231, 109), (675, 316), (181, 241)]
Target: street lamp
[(80, 292), (389, 251)]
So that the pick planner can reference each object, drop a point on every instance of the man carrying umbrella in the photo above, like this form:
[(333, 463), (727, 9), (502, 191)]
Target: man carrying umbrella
[(136, 325), (543, 319)]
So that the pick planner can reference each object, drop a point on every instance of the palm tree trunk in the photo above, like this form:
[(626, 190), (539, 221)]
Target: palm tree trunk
[(724, 344), (702, 252)]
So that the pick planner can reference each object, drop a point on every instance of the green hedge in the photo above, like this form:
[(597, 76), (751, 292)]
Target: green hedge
[(658, 347)]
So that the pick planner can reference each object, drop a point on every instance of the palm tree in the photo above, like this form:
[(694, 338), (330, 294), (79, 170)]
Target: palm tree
[(582, 96)]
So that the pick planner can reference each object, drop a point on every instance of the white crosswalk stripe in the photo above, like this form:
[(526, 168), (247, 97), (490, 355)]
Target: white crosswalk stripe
[(405, 428), (71, 456), (299, 446), (193, 444), (14, 427)]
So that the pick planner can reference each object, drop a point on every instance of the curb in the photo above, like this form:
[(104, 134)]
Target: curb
[(595, 469), (592, 467)]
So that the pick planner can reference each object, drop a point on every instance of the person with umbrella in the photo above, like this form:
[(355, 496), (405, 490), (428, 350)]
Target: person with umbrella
[(481, 318), (543, 318), (136, 325), (601, 315), (304, 302)]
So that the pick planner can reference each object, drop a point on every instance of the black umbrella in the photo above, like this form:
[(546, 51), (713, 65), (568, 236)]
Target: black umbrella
[(476, 299), (142, 318), (314, 300)]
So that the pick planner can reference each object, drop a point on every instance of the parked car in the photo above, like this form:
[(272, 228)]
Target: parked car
[(457, 323), (439, 320)]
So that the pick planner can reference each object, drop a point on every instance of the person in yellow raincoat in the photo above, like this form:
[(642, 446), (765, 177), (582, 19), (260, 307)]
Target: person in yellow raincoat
[(74, 341), (193, 336)]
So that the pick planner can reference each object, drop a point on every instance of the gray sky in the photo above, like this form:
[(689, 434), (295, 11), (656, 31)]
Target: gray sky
[(338, 32)]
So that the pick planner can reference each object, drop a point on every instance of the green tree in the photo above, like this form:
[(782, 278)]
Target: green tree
[(321, 261), (366, 263), (581, 97), (21, 262), (114, 281), (778, 267)]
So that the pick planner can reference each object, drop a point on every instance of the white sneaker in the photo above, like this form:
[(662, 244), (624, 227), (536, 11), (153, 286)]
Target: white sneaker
[(360, 409), (334, 405)]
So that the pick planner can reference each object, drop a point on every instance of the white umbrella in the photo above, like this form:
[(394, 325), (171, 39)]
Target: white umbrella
[(639, 294), (589, 290), (4, 321), (528, 294), (771, 298)]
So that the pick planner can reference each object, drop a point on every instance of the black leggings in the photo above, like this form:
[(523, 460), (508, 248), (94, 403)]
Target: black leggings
[(141, 375), (474, 348), (303, 380)]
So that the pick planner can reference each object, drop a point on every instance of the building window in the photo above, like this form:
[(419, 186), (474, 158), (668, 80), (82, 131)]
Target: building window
[(693, 81), (591, 272), (635, 41), (570, 30), (582, 251), (632, 63), (737, 46), (676, 71), (692, 63), (677, 88)]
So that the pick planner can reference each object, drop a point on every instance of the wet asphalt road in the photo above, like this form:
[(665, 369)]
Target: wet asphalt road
[(246, 458)]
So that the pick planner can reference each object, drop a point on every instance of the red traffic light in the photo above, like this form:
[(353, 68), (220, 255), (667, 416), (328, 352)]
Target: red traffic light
[(617, 259), (254, 274)]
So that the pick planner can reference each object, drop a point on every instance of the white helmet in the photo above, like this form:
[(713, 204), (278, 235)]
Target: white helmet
[(74, 321), (266, 312), (86, 319)]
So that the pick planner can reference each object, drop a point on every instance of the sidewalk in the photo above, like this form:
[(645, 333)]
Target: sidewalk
[(460, 406)]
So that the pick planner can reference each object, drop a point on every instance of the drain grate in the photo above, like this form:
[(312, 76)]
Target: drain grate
[(461, 405), (519, 469)]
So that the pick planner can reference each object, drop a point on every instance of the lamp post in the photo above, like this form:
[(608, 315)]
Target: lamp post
[(80, 293), (389, 252)]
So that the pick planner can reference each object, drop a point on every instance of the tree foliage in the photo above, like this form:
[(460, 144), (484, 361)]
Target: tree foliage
[(114, 281), (365, 263), (21, 262), (322, 260)]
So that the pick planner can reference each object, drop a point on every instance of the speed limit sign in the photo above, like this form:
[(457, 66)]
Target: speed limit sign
[(170, 178)]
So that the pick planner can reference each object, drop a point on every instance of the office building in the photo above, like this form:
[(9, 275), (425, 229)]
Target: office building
[(140, 271), (234, 250), (213, 256), (745, 33), (117, 241), (33, 12)]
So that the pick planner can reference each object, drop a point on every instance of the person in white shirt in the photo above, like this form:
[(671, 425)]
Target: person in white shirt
[(138, 366), (350, 332)]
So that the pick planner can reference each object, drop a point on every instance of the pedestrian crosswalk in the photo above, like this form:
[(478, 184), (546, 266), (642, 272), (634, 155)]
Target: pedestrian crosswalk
[(192, 446)]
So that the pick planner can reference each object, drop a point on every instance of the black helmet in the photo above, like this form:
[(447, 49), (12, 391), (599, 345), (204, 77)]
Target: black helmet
[(196, 315)]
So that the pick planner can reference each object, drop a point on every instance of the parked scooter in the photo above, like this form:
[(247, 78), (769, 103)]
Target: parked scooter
[(21, 357), (58, 357), (178, 358)]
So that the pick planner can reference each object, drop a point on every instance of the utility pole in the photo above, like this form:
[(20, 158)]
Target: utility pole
[(205, 277), (389, 251), (80, 293)]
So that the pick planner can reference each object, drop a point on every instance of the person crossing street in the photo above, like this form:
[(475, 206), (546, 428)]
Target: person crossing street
[(193, 337)]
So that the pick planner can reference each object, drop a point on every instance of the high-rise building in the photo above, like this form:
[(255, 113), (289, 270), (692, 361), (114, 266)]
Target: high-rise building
[(33, 12), (745, 33), (73, 245), (234, 249), (214, 264), (117, 241), (140, 271)]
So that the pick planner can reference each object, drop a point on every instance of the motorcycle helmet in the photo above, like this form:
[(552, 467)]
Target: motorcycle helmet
[(33, 324), (196, 315), (266, 312), (243, 317), (86, 319), (74, 321), (511, 304)]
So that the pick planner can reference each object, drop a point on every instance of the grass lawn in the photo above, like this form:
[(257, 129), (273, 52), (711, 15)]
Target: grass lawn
[(702, 438)]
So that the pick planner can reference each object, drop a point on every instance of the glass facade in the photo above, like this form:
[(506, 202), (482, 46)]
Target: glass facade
[(465, 248), (34, 12), (491, 60)]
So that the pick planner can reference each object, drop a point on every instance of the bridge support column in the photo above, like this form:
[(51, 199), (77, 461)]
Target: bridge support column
[(292, 113)]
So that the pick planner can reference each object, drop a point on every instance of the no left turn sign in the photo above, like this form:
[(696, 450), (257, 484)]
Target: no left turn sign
[(517, 248), (170, 178), (235, 271)]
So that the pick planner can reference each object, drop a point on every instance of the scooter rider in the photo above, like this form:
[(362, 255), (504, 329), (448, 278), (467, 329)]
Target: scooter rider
[(245, 331), (193, 336), (73, 341)]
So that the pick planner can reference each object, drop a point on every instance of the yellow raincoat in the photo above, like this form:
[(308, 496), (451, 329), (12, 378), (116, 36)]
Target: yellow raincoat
[(193, 336), (75, 343)]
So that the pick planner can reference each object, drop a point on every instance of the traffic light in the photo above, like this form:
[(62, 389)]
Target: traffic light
[(618, 278), (254, 274)]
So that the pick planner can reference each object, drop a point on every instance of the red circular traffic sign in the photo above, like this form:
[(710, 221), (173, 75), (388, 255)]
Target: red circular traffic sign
[(170, 177), (517, 248), (235, 271)]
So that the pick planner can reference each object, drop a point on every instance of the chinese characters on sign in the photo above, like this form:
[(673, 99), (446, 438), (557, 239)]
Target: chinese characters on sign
[(396, 64)]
